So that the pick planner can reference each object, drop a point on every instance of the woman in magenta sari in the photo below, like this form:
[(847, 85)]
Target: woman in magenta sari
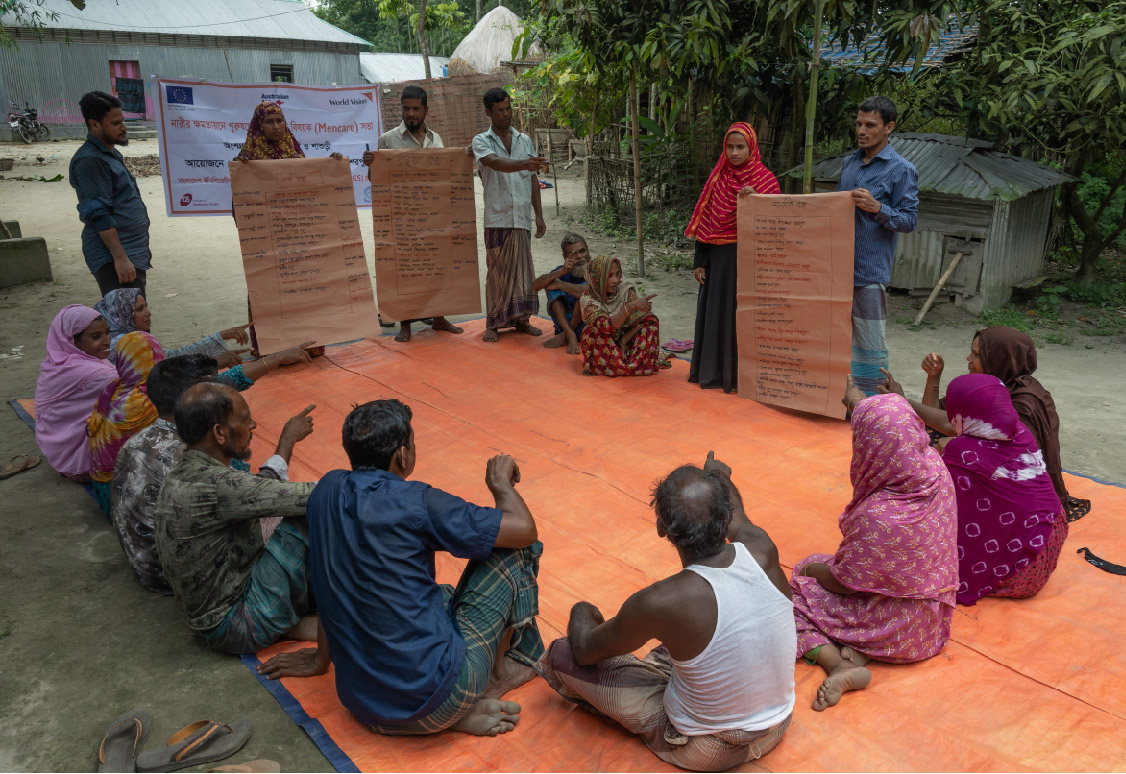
[(888, 592), (1011, 525)]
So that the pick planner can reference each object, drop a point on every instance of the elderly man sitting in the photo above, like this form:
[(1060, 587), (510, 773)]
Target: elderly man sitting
[(145, 460), (719, 690), (239, 592)]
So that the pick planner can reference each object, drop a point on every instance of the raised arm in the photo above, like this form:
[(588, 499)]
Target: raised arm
[(495, 162), (517, 527), (932, 416), (752, 536)]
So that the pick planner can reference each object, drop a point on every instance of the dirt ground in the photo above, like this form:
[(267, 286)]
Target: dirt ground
[(80, 641)]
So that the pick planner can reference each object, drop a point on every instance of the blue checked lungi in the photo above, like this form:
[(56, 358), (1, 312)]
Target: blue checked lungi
[(869, 339)]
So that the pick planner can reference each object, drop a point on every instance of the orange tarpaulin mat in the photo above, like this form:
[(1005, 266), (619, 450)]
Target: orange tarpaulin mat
[(1034, 684)]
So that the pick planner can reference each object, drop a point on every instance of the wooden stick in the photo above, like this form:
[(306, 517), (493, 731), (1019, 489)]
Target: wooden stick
[(634, 107), (934, 293)]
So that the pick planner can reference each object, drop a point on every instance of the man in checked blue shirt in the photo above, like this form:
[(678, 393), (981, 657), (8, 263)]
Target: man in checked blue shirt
[(885, 191), (115, 236)]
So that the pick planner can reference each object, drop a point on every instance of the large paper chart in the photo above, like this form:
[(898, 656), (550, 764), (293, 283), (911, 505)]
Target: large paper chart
[(794, 311), (425, 225), (302, 252)]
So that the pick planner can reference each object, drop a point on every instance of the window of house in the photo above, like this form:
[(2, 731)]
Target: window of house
[(280, 73)]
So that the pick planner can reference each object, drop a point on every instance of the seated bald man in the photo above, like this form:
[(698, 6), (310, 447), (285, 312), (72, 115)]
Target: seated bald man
[(719, 690), (237, 591)]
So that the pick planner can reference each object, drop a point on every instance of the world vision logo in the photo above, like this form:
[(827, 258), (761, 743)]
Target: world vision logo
[(368, 94)]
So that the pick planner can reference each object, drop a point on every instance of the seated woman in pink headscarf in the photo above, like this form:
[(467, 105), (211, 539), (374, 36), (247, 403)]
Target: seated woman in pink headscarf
[(1011, 525), (887, 594), (74, 372), (621, 334)]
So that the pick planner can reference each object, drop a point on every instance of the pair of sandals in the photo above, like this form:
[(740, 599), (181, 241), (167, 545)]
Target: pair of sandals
[(204, 741), (19, 464)]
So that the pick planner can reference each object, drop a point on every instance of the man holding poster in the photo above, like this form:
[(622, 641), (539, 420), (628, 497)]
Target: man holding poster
[(508, 165), (885, 190), (412, 133)]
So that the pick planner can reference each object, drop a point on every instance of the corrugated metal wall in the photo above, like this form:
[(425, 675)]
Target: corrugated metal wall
[(1014, 251), (54, 76)]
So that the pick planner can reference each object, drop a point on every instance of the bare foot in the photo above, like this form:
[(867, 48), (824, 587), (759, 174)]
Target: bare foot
[(404, 334), (442, 324), (508, 674), (845, 677), (556, 341), (526, 327), (491, 335), (854, 656), (573, 347), (489, 717)]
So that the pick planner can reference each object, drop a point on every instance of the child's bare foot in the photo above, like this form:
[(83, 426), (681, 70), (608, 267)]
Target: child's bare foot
[(556, 341), (489, 717)]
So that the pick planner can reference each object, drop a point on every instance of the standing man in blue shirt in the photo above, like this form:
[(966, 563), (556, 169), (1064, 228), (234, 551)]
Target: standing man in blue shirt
[(885, 191), (115, 238)]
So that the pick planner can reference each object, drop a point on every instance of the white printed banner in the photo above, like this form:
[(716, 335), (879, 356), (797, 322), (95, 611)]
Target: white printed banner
[(202, 125)]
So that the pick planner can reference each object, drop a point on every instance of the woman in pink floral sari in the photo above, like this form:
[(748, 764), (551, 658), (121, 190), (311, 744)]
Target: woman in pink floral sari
[(888, 592)]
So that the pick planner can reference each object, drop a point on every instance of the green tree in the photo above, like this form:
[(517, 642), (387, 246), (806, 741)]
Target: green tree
[(29, 14), (1048, 81)]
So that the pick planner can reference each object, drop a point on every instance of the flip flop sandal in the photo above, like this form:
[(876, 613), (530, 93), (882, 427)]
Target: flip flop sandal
[(28, 461), (676, 345), (204, 741), (118, 750)]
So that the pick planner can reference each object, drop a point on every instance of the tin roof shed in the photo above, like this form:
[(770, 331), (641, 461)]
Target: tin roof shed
[(392, 68)]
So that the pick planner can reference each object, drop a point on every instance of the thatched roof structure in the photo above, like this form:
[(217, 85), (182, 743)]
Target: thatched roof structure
[(489, 44)]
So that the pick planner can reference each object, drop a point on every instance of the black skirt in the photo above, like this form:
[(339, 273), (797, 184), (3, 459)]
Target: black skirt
[(715, 354)]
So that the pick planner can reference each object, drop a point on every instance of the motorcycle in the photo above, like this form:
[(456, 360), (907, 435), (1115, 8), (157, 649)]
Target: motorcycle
[(25, 120)]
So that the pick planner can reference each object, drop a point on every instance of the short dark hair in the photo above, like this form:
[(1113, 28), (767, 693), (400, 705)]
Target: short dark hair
[(170, 378), (96, 104), (694, 508), (413, 92), (571, 238), (882, 105), (200, 408), (493, 96), (373, 432)]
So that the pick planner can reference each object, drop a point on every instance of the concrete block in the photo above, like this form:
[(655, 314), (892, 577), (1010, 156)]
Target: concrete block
[(13, 229), (24, 260)]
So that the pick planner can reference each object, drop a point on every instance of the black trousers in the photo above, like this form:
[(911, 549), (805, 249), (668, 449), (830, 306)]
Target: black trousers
[(107, 280)]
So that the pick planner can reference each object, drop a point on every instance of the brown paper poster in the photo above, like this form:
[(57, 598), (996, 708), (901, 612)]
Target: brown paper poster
[(794, 311), (302, 252), (425, 226), (456, 111)]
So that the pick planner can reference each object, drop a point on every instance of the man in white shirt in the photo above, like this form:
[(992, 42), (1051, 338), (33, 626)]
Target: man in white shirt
[(508, 162), (412, 133)]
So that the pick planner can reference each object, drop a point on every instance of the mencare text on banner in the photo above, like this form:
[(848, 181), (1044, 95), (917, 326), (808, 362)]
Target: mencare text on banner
[(203, 126), (794, 310)]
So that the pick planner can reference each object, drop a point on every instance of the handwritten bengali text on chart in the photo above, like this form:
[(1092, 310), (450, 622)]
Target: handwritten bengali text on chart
[(425, 226), (794, 311), (302, 252)]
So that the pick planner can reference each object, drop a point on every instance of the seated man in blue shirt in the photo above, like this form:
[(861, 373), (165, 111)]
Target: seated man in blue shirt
[(115, 237), (564, 285), (413, 656), (885, 191)]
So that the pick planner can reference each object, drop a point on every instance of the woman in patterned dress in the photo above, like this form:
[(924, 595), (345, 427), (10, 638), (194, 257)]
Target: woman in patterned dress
[(1011, 525), (621, 334), (888, 592)]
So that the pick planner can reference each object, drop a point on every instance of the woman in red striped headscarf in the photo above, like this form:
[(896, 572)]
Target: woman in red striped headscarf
[(739, 171)]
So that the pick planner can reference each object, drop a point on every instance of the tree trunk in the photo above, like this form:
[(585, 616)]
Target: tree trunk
[(1093, 240), (634, 109), (422, 37), (478, 16)]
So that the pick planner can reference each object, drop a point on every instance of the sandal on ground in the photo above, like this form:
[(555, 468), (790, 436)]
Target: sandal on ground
[(118, 750), (204, 741), (676, 345), (26, 462)]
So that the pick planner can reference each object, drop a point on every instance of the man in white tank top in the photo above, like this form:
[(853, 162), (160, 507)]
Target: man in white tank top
[(719, 690)]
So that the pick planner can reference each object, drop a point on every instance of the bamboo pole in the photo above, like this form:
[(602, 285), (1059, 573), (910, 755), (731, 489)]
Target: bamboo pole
[(934, 293), (811, 101), (554, 179), (635, 107)]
